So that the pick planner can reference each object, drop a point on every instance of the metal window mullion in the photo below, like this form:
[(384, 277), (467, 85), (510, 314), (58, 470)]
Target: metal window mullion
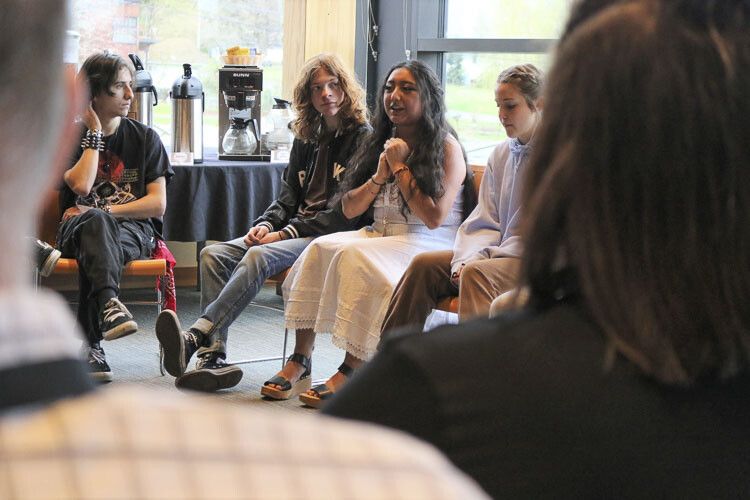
[(516, 45)]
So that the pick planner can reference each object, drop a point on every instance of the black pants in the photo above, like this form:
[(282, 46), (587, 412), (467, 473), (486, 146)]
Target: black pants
[(102, 245)]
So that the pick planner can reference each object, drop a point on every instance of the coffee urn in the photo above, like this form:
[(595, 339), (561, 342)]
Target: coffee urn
[(144, 94), (188, 105)]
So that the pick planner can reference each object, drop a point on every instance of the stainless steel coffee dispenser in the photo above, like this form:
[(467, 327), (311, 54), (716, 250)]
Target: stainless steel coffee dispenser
[(188, 105), (144, 94)]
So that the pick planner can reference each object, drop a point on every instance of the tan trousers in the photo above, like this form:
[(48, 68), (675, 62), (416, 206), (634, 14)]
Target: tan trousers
[(482, 281), (427, 281)]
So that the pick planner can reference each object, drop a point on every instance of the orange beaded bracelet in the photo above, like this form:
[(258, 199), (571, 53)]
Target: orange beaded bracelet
[(399, 171)]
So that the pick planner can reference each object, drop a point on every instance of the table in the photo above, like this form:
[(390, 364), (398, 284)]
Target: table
[(219, 200)]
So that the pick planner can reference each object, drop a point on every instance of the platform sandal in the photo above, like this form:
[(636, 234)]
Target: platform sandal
[(323, 391), (289, 389)]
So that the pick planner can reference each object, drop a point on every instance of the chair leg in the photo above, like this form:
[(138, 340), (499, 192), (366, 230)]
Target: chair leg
[(161, 294), (270, 358), (161, 361), (160, 297), (283, 352)]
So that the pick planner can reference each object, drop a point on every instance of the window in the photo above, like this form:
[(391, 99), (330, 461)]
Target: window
[(470, 43), (526, 19), (470, 99), (167, 33), (125, 30)]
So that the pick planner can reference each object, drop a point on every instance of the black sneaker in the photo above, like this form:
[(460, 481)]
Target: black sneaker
[(46, 257), (178, 346), (211, 374), (116, 321), (98, 367)]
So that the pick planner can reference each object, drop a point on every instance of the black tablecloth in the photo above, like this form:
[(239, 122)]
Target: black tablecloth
[(218, 200)]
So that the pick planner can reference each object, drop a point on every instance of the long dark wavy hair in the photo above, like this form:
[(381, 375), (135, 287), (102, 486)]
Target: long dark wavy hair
[(640, 184), (428, 157)]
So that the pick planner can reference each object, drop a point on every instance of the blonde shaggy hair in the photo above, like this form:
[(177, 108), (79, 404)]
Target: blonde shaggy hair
[(309, 125)]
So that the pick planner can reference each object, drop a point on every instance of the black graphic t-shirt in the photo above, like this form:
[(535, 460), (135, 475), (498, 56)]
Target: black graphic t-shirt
[(133, 157)]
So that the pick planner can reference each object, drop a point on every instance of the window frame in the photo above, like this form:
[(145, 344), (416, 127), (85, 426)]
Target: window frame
[(423, 36), (432, 49), (419, 27)]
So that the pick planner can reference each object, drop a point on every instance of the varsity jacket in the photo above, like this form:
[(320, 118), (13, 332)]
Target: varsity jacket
[(281, 215)]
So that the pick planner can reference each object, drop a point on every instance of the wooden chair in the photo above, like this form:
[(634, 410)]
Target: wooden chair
[(47, 230)]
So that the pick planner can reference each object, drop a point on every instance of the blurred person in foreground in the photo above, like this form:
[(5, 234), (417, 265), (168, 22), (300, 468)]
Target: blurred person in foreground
[(626, 375), (60, 437)]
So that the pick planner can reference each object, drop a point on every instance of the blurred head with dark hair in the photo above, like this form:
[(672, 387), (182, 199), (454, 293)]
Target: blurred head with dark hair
[(640, 183), (581, 10)]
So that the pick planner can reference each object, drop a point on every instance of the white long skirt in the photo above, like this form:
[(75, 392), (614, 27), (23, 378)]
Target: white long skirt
[(342, 283)]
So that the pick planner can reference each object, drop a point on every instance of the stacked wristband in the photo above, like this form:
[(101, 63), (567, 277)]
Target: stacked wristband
[(93, 139)]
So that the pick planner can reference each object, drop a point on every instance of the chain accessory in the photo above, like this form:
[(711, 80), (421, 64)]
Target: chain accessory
[(104, 206)]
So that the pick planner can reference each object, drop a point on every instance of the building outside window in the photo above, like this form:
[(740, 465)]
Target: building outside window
[(125, 30)]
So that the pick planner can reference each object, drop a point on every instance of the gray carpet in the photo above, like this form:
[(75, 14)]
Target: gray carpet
[(258, 332)]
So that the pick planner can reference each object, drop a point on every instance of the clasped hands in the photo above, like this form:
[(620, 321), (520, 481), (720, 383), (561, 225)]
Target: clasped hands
[(71, 212), (261, 235), (395, 152)]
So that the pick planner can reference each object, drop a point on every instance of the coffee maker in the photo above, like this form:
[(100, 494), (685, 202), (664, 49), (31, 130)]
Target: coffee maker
[(239, 113)]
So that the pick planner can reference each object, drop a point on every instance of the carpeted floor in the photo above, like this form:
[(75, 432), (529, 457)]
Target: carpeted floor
[(258, 332)]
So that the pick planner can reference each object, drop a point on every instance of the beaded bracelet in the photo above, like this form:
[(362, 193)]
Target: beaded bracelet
[(93, 140), (400, 171)]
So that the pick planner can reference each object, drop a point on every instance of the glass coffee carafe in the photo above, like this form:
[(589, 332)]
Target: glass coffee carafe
[(240, 138), (281, 137)]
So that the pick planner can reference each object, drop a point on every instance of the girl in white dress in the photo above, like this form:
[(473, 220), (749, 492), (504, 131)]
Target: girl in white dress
[(411, 174)]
